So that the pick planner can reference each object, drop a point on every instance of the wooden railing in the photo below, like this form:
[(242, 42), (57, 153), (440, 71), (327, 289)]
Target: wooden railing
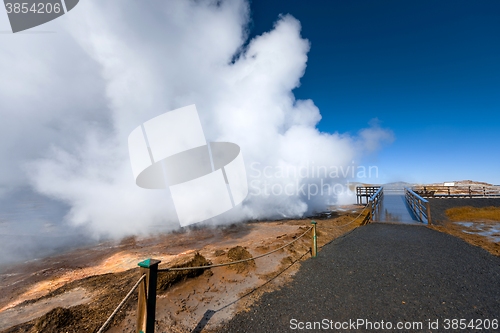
[(365, 192), (457, 191), (418, 205)]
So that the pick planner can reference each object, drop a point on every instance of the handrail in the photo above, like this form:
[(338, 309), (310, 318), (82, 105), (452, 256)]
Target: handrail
[(365, 192), (377, 193), (374, 202), (457, 191), (418, 205)]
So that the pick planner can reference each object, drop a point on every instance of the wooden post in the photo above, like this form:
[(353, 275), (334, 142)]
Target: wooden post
[(314, 251), (146, 308)]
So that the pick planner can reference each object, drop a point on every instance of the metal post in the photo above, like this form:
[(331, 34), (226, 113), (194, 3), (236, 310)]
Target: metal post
[(429, 220), (146, 309), (314, 240), (371, 209), (420, 208)]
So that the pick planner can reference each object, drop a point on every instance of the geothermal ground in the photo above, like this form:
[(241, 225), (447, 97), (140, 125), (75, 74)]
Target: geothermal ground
[(76, 291), (481, 232)]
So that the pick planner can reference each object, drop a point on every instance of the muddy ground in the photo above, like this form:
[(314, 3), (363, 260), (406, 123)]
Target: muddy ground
[(76, 291), (439, 206), (485, 234)]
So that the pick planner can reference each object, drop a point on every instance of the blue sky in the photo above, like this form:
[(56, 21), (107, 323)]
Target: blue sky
[(73, 89), (427, 70)]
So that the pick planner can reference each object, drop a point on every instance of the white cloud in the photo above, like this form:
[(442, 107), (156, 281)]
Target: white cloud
[(70, 99)]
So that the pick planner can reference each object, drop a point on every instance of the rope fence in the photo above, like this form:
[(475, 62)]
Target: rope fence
[(125, 299), (357, 217), (149, 270), (237, 261)]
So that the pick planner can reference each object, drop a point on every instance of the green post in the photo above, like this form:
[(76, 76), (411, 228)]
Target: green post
[(314, 240), (146, 308)]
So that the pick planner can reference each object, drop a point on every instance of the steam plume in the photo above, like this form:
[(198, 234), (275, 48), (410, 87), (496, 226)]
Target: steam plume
[(70, 100)]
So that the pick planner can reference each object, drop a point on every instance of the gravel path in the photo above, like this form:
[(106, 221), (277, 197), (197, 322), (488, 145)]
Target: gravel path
[(384, 272)]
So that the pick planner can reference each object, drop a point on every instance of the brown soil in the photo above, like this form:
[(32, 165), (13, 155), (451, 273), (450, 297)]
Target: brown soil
[(240, 253), (167, 279), (77, 291), (83, 317), (468, 213), (447, 215), (468, 235), (32, 311), (439, 206)]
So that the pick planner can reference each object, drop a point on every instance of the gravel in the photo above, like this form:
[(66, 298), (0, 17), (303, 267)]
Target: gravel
[(386, 272)]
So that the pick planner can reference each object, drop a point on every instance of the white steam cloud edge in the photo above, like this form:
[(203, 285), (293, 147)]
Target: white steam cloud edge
[(69, 101)]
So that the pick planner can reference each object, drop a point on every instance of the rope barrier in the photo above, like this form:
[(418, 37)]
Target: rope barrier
[(256, 257), (103, 327), (108, 321), (265, 283), (361, 213), (122, 303), (234, 262)]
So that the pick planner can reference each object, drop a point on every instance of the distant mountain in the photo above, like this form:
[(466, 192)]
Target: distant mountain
[(461, 183), (398, 184)]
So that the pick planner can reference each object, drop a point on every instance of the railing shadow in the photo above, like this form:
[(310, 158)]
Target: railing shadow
[(210, 313)]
